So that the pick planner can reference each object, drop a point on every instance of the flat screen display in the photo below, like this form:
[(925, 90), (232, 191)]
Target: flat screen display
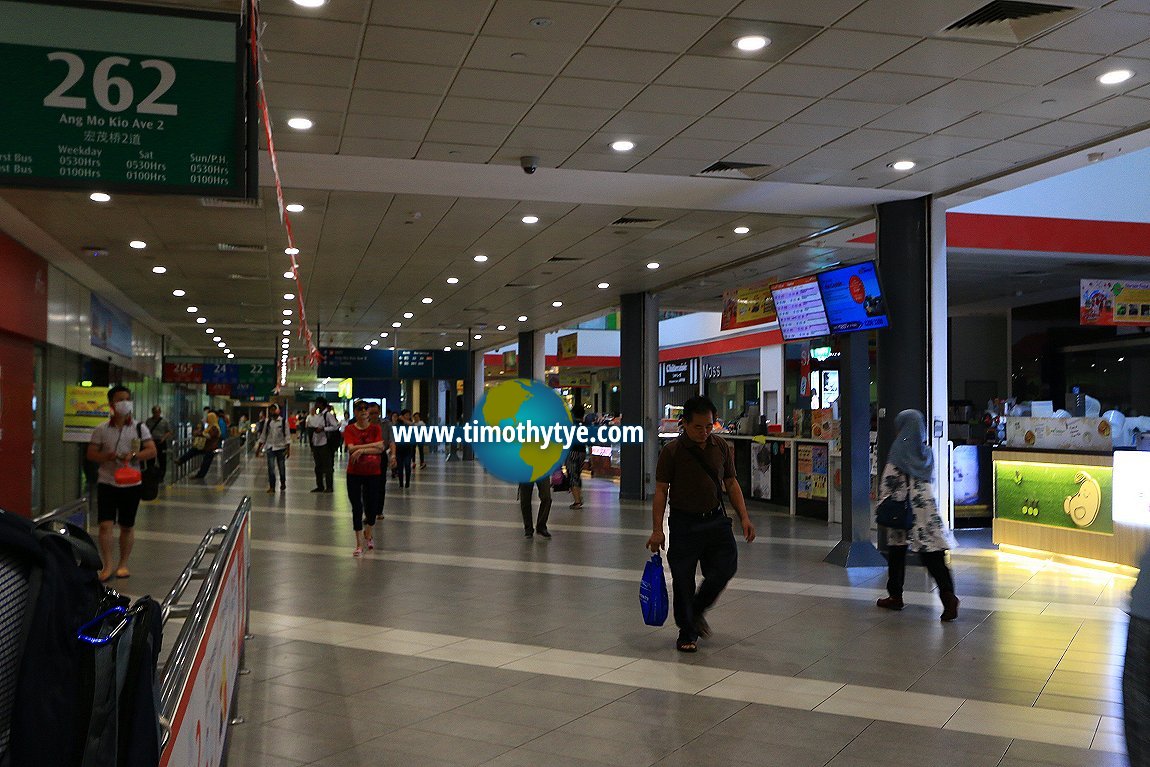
[(853, 298), (799, 306)]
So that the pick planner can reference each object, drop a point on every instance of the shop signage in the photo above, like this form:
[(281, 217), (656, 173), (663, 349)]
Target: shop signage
[(124, 98), (712, 371), (356, 363), (85, 408), (1114, 302), (821, 353), (575, 380), (674, 372), (111, 329), (251, 378), (748, 306), (510, 362), (1068, 496), (1059, 433), (569, 346)]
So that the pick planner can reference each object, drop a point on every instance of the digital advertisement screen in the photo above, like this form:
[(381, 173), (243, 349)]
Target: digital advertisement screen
[(799, 306), (853, 298)]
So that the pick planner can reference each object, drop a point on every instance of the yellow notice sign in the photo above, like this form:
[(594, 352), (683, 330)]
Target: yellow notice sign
[(85, 408)]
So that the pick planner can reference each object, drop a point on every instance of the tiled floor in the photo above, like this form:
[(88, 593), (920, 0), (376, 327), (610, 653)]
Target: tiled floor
[(461, 643)]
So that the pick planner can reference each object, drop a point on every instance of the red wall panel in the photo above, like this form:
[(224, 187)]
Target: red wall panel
[(23, 291), (16, 385)]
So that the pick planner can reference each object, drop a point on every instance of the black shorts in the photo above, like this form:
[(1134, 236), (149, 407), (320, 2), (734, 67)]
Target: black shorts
[(117, 504)]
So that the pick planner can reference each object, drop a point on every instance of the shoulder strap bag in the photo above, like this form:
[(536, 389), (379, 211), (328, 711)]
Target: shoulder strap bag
[(718, 485)]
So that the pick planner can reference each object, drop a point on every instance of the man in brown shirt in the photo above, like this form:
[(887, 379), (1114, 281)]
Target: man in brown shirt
[(690, 467)]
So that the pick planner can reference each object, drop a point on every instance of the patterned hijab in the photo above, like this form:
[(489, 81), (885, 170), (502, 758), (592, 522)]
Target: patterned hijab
[(910, 454)]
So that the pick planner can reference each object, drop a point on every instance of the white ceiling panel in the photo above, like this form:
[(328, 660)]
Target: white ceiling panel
[(1032, 66), (773, 155), (306, 69), (657, 31), (1120, 111), (971, 96), (1014, 150), (1065, 133), (924, 119), (726, 129), (944, 146), (823, 13), (712, 72), (1086, 78), (568, 21), (547, 139), (709, 7), (1129, 6), (321, 98), (417, 105), (560, 116), (454, 132), (672, 100), (403, 77), (589, 160), (509, 86), (796, 134), (667, 166), (851, 50), (1051, 103), (944, 58), (889, 87), (618, 64), (847, 114), (447, 15), (574, 91), (796, 80), (648, 123), (706, 152), (386, 127), (992, 126), (1101, 32), (324, 38), (417, 46), (509, 54), (761, 106), (482, 110)]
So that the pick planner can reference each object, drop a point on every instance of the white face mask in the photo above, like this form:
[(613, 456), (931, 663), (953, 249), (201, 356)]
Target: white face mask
[(123, 407)]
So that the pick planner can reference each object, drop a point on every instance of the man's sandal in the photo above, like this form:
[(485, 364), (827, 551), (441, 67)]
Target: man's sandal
[(687, 646)]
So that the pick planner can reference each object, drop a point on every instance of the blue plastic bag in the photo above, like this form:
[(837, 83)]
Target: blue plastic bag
[(653, 592)]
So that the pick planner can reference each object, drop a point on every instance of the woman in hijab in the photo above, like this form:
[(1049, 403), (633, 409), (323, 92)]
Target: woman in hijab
[(212, 436), (910, 469)]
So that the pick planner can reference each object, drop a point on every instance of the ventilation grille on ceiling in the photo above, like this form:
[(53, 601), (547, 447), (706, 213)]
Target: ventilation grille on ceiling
[(250, 277), (520, 285), (229, 202), (1011, 21), (555, 259), (631, 222), (237, 247), (746, 171)]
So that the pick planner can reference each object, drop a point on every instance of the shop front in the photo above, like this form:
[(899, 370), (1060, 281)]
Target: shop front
[(731, 381)]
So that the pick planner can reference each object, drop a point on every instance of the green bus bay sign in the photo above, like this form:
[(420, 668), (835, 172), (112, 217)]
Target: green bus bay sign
[(125, 98)]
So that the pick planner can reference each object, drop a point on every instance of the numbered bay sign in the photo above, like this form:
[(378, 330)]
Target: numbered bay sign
[(114, 97)]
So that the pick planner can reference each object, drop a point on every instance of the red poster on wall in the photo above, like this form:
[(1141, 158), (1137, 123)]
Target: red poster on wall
[(16, 384), (23, 291)]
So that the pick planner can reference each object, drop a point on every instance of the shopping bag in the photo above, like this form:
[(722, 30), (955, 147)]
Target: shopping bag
[(653, 592), (559, 481)]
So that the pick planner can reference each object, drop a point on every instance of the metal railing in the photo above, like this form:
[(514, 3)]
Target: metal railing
[(225, 462), (177, 671), (74, 511)]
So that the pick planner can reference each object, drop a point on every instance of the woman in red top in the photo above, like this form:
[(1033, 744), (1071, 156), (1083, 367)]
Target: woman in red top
[(364, 441)]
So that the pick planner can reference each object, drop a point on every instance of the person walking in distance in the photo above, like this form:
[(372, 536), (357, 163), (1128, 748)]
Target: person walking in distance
[(275, 440), (374, 412), (320, 424), (364, 442), (417, 419), (161, 432), (576, 457), (909, 471), (405, 451), (688, 473), (118, 444), (540, 524)]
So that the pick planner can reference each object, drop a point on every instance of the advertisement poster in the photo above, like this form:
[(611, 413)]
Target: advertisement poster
[(966, 475), (568, 346), (748, 306), (111, 329), (853, 298), (1055, 495), (823, 424), (803, 465), (1131, 493), (761, 457), (202, 716), (820, 471), (1114, 302), (85, 408), (1092, 434)]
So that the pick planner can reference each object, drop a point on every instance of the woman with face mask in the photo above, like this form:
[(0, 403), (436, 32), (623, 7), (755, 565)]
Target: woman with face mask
[(274, 438)]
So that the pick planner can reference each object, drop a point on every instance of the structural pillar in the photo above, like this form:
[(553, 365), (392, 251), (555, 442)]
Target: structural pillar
[(525, 355), (912, 352), (638, 381)]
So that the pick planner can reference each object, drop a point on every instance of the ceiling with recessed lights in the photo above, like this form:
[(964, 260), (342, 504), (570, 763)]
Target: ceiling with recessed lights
[(668, 156)]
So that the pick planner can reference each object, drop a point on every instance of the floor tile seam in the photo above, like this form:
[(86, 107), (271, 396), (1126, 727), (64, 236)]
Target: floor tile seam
[(895, 692), (770, 586)]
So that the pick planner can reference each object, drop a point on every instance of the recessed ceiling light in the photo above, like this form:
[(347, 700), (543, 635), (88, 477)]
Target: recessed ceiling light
[(604, 285), (201, 321), (221, 344), (287, 312), (653, 265), (480, 258), (375, 342), (291, 251), (287, 332), (1116, 76), (530, 219), (367, 348), (742, 229), (426, 300), (556, 304), (289, 296), (159, 269), (623, 145), (391, 347), (902, 165), (209, 331), (100, 197), (459, 343), (522, 318), (294, 207), (452, 280), (231, 356), (447, 348), (217, 339), (138, 244), (383, 335), (397, 324), (227, 351), (310, 3), (288, 275), (751, 43), (408, 315), (287, 322), (300, 123), (178, 293), (477, 336), (501, 327), (193, 309)]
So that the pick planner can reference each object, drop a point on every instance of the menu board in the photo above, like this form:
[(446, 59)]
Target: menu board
[(1079, 434), (852, 298), (799, 306), (1114, 302)]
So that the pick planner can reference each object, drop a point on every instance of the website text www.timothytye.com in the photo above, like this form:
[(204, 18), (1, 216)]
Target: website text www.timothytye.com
[(544, 435)]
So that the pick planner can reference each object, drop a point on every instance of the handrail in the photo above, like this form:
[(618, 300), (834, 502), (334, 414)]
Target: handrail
[(78, 506), (178, 667)]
